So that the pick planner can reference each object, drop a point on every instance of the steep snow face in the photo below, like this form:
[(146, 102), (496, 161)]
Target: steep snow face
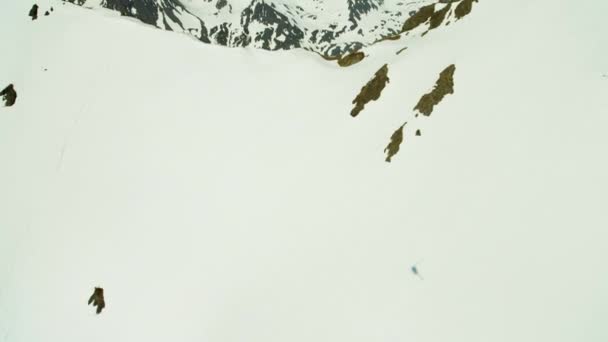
[(227, 194), (328, 27)]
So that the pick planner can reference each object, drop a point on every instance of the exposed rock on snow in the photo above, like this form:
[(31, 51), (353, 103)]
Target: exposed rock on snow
[(434, 17), (351, 59), (443, 86), (98, 300), (463, 8), (9, 95), (419, 18), (393, 147), (438, 17), (34, 12), (371, 91)]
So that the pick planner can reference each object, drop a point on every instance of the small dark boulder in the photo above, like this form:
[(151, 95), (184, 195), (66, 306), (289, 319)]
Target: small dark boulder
[(418, 133), (97, 299), (34, 12), (46, 13), (221, 4), (9, 95)]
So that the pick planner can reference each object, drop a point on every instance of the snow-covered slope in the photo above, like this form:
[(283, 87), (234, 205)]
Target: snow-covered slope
[(227, 194)]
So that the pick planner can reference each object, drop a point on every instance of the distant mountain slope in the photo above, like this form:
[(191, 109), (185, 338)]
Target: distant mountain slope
[(327, 27)]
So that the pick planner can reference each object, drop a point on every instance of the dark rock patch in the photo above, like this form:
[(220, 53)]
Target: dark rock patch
[(351, 59), (147, 11), (371, 91), (221, 4), (400, 51), (278, 25), (34, 12), (438, 17), (393, 147), (419, 18), (443, 86), (98, 300), (463, 8), (418, 133), (9, 95), (46, 14), (358, 8)]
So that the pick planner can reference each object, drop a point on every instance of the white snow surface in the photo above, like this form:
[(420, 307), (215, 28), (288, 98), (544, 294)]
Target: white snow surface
[(226, 194)]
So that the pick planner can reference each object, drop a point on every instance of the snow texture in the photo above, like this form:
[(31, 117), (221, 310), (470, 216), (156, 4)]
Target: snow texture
[(227, 195)]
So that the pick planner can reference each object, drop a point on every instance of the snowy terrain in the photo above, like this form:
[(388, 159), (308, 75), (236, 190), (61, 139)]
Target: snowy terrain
[(224, 194)]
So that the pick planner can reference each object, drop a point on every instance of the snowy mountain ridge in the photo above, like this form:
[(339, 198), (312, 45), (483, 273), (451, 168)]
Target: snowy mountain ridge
[(328, 27)]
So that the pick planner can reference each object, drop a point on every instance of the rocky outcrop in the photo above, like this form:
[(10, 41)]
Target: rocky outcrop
[(463, 8), (98, 300), (443, 87), (419, 18), (438, 17), (434, 15), (393, 146), (34, 12), (358, 8), (351, 59), (371, 91), (279, 33), (9, 95)]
